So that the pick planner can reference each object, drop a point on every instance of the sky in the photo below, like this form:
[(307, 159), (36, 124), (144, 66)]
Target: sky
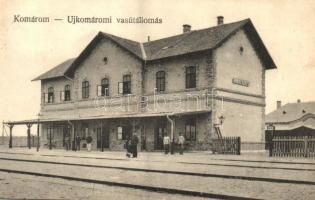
[(29, 49)]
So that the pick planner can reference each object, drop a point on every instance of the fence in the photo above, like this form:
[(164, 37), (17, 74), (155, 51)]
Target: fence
[(253, 146), (293, 146), (227, 145)]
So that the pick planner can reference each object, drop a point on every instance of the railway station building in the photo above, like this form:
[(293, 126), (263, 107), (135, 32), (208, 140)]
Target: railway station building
[(183, 84)]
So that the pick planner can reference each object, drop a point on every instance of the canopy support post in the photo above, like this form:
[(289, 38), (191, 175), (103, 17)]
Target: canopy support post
[(29, 135), (10, 140)]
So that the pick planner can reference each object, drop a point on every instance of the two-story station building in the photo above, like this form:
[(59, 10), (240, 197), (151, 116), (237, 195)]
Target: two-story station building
[(117, 87)]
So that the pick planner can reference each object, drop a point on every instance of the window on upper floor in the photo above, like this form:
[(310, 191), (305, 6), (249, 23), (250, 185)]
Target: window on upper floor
[(191, 77), (103, 89), (85, 89), (190, 129), (160, 81), (127, 84), (67, 93), (49, 97)]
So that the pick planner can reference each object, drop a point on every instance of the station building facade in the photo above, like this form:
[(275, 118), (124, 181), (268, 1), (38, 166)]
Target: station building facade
[(177, 85)]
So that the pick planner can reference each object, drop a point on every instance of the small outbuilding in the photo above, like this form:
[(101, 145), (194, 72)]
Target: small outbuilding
[(296, 119)]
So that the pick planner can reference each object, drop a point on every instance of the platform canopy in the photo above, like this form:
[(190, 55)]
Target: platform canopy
[(22, 122), (44, 119)]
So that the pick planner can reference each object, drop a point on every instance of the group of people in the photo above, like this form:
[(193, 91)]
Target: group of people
[(77, 144), (167, 143), (132, 143)]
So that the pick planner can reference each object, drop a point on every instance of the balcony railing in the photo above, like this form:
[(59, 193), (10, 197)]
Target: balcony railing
[(181, 101)]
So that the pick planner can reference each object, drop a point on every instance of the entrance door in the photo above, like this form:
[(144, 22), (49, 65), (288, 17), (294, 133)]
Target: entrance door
[(102, 137), (160, 132)]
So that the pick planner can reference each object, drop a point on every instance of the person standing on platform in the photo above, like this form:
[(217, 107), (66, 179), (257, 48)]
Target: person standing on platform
[(134, 145), (89, 142), (166, 143), (128, 147), (78, 142), (67, 142), (181, 142)]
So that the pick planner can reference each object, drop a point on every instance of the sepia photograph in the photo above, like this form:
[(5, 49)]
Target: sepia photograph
[(170, 99)]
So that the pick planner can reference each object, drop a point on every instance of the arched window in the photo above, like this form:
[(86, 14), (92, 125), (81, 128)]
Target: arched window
[(160, 81), (67, 93), (50, 98), (85, 89), (105, 87)]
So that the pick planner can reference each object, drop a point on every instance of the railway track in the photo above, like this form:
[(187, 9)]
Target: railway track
[(132, 174), (132, 186), (248, 178), (195, 163)]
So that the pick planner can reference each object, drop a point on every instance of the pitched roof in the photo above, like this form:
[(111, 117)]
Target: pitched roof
[(196, 40), (57, 71), (291, 112), (193, 41)]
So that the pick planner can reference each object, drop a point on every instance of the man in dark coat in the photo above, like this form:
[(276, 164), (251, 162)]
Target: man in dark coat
[(78, 142), (128, 147), (134, 144)]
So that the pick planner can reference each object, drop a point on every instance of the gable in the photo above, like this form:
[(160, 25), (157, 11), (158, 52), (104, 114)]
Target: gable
[(126, 45), (119, 62), (237, 60)]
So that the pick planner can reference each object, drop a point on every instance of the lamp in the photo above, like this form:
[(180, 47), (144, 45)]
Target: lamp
[(221, 119)]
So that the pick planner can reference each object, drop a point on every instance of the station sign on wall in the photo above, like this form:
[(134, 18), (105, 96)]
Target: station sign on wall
[(241, 82)]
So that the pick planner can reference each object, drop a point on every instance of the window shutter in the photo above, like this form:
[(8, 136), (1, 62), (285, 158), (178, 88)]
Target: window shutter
[(62, 95), (99, 90), (120, 87), (119, 132), (46, 97)]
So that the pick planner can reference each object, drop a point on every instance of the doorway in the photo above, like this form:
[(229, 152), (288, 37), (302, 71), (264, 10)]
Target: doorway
[(159, 133), (102, 136)]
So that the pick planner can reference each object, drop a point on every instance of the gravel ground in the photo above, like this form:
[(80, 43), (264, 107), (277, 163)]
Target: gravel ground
[(16, 186), (264, 190), (208, 169)]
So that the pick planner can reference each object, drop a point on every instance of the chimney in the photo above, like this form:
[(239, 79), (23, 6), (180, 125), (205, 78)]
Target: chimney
[(278, 104), (220, 20), (186, 28), (148, 38), (299, 101)]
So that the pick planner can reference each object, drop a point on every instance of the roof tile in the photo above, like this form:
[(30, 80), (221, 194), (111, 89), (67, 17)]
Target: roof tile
[(190, 42), (57, 71)]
